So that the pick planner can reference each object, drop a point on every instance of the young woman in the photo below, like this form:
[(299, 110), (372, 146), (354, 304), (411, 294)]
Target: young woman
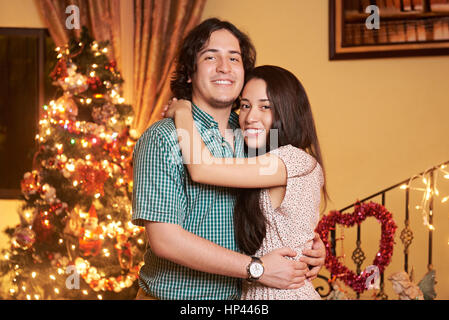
[(286, 211)]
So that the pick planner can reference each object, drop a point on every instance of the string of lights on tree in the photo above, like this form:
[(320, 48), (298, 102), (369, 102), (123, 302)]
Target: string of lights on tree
[(77, 207)]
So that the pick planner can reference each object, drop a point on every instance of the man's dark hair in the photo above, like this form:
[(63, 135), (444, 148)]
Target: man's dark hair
[(194, 42)]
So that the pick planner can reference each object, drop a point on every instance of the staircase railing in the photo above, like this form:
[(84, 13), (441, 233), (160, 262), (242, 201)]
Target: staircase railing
[(406, 234)]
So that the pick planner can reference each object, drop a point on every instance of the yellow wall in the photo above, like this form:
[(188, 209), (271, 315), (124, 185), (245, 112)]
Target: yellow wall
[(20, 14), (379, 121)]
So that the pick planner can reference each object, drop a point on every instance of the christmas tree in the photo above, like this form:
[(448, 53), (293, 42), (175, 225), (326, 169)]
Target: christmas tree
[(75, 239)]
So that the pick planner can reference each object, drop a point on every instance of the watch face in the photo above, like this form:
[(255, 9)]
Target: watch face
[(256, 270)]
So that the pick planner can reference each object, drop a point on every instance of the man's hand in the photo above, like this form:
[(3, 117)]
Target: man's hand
[(314, 257), (283, 273)]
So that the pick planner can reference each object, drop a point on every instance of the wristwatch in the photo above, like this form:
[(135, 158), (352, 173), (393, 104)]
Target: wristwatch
[(254, 269)]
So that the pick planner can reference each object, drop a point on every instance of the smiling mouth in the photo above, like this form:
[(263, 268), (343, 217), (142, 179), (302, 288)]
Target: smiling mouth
[(223, 82), (253, 132)]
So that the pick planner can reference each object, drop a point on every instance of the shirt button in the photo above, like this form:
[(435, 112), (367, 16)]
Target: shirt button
[(224, 144)]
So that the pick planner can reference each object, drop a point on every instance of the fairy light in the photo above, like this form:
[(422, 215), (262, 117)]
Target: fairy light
[(94, 66), (92, 74), (88, 234), (28, 297), (33, 274), (97, 195), (100, 297), (56, 290), (75, 183), (27, 214), (52, 277), (85, 292), (36, 296)]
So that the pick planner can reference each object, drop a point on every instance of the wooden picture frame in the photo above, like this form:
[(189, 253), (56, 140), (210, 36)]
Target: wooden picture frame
[(406, 28)]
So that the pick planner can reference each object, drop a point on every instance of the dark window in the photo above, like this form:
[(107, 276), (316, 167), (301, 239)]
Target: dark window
[(26, 56)]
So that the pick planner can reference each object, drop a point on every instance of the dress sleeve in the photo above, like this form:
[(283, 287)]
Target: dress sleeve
[(297, 161)]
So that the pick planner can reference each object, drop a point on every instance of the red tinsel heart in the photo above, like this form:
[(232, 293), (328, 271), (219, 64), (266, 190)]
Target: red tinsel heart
[(383, 256)]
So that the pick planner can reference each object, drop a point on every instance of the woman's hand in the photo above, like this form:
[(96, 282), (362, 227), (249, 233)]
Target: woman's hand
[(314, 257), (175, 105)]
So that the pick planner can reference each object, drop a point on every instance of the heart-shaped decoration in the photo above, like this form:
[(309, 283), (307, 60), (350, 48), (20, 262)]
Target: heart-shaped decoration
[(383, 256)]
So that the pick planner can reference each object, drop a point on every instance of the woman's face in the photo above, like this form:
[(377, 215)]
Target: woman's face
[(256, 113)]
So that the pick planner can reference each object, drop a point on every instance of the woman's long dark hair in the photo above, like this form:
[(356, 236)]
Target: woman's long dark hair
[(293, 119)]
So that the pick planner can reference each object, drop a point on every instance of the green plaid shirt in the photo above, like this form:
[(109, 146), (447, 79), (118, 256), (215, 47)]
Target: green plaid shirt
[(164, 192)]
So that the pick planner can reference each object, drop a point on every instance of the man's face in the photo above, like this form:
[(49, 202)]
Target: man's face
[(219, 76)]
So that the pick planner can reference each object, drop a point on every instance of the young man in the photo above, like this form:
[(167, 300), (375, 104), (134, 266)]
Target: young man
[(192, 252)]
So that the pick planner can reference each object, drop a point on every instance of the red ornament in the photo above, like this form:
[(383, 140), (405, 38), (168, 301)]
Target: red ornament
[(94, 83), (125, 256), (60, 70), (92, 179), (42, 226), (361, 212), (111, 66)]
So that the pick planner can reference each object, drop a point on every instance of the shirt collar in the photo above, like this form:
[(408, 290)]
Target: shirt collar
[(207, 121)]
